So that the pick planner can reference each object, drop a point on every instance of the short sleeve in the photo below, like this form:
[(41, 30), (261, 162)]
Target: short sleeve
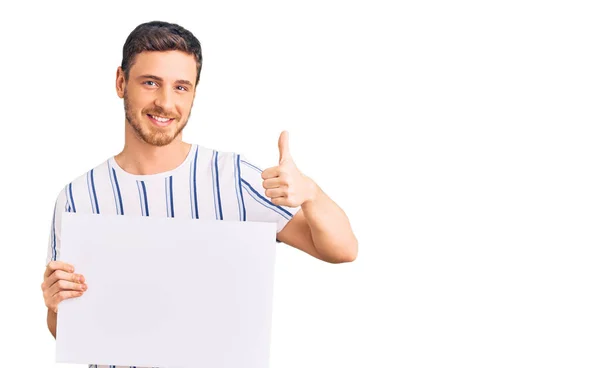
[(258, 207), (53, 253)]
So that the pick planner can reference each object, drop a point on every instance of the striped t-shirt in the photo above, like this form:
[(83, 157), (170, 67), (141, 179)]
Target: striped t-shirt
[(208, 185)]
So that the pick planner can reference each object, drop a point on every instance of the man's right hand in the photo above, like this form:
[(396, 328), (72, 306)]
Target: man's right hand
[(60, 283)]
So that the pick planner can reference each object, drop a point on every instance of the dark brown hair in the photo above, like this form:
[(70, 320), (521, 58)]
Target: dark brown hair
[(160, 36)]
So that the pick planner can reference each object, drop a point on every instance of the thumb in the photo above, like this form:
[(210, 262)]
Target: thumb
[(284, 147)]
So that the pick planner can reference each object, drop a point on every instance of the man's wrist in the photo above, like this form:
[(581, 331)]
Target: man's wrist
[(312, 190)]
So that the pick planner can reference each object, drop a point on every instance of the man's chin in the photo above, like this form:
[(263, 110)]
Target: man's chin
[(159, 140), (156, 136)]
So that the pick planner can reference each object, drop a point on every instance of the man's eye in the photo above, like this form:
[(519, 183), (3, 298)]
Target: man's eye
[(182, 88), (149, 82)]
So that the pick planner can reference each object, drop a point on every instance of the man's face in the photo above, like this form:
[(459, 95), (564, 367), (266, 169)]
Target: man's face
[(159, 95)]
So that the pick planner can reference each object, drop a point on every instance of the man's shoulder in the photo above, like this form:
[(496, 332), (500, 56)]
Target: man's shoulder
[(209, 149), (212, 154), (82, 179), (227, 161)]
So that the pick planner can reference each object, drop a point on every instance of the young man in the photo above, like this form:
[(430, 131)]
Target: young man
[(158, 174)]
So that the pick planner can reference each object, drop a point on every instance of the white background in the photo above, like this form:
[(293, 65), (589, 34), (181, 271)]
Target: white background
[(461, 138)]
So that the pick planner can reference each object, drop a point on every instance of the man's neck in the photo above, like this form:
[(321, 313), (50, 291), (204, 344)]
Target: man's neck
[(141, 158)]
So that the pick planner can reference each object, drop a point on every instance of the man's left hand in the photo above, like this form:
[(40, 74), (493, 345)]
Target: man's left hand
[(285, 185)]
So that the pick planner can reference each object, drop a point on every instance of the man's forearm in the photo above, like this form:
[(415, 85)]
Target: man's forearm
[(51, 320), (330, 228)]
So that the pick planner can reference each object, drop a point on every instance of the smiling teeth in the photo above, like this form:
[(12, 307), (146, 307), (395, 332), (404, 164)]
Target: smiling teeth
[(162, 120)]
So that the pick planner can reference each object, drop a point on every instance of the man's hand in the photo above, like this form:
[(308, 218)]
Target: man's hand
[(60, 283), (285, 185)]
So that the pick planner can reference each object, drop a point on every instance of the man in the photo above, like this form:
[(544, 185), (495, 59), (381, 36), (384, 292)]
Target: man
[(158, 174)]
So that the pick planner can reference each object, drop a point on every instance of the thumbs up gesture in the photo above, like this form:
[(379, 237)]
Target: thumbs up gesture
[(285, 185)]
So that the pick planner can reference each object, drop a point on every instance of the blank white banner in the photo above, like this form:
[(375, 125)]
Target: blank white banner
[(168, 292)]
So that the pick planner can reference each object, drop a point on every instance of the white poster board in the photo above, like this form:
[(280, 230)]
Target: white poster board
[(166, 292)]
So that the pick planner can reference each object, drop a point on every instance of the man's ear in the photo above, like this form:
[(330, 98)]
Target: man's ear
[(120, 82)]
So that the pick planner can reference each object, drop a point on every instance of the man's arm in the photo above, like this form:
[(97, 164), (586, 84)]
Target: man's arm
[(321, 229), (51, 321), (60, 282)]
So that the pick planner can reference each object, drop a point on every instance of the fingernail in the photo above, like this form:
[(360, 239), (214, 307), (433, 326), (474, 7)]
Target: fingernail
[(84, 287)]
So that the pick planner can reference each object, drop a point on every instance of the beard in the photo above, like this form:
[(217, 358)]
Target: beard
[(149, 133)]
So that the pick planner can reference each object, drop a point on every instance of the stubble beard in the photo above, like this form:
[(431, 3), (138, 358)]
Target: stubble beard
[(149, 133)]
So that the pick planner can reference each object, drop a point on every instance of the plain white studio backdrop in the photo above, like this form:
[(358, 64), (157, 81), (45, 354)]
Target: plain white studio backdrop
[(460, 138)]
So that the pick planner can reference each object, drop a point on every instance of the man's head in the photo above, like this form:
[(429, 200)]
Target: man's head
[(157, 79)]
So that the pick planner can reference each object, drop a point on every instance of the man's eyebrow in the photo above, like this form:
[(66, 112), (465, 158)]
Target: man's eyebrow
[(183, 81), (179, 81)]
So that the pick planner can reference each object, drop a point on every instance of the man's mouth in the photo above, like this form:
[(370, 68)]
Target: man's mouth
[(160, 120)]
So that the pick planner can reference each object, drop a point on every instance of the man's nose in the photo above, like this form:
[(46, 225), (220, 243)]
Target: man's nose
[(165, 100)]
